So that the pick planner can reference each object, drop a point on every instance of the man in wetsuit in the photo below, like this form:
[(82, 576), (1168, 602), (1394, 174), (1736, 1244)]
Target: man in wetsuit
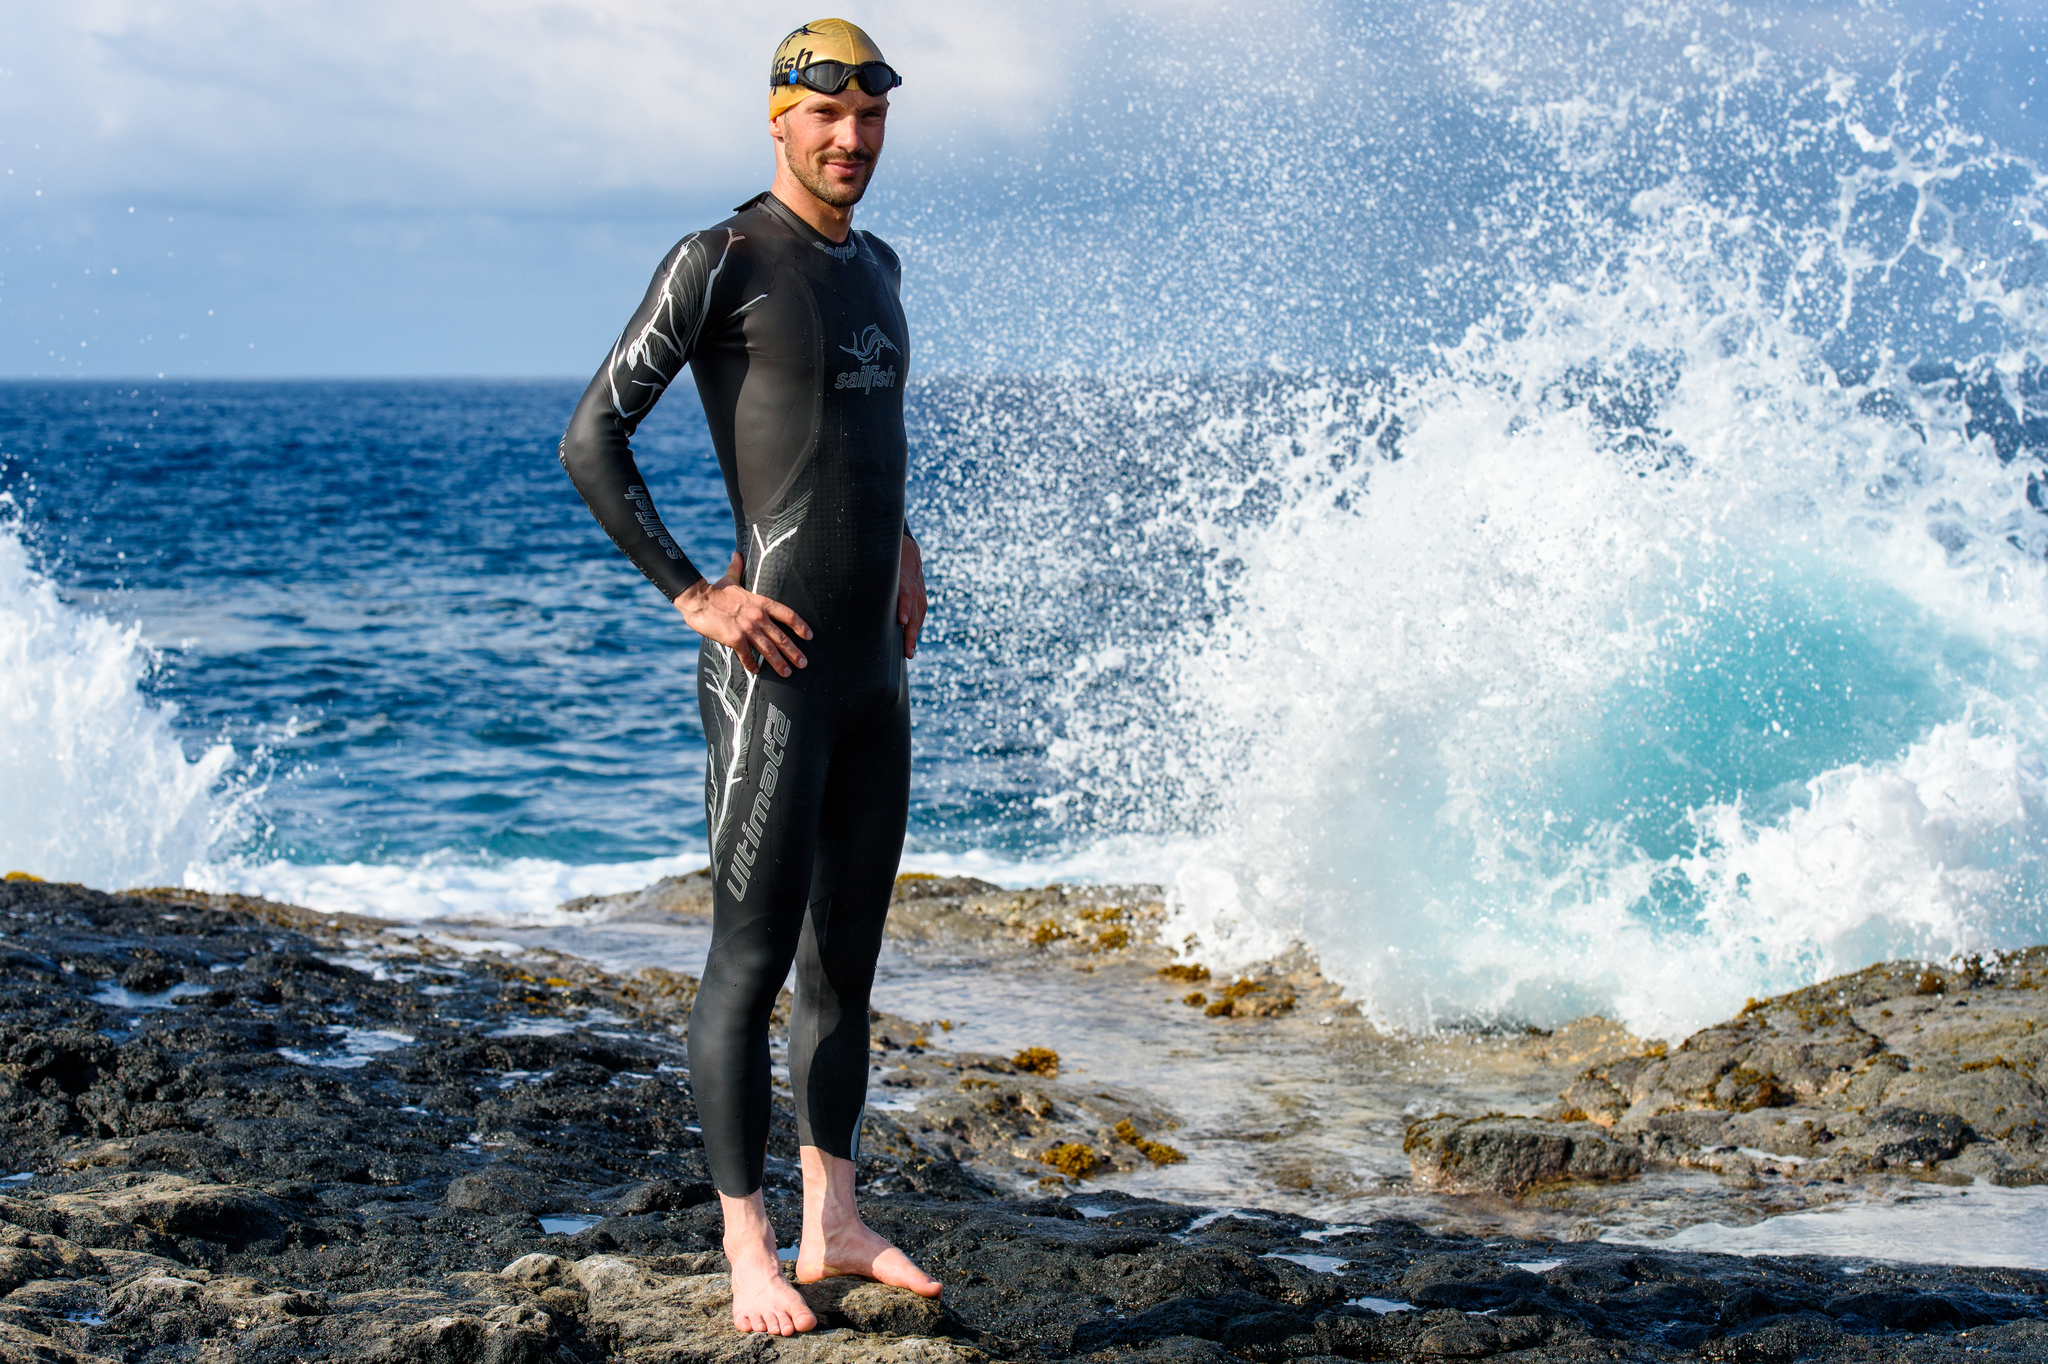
[(792, 324)]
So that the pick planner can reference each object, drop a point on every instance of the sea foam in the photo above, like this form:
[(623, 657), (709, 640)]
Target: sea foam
[(98, 787), (1673, 633)]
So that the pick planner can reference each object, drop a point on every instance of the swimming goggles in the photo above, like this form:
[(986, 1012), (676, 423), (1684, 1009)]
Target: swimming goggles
[(829, 78)]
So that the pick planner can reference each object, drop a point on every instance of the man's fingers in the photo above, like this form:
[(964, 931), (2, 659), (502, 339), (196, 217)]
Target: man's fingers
[(773, 644), (910, 615), (779, 652), (786, 616), (764, 630)]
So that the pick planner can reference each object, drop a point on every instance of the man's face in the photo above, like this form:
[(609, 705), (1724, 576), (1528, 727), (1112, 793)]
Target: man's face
[(830, 142)]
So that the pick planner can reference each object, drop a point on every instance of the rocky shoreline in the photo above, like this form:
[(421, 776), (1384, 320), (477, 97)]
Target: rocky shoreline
[(240, 1130)]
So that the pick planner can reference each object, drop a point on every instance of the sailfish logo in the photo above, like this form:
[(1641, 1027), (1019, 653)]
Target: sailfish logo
[(869, 344), (867, 348)]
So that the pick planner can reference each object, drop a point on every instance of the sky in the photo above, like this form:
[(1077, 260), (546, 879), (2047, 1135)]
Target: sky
[(254, 187), (452, 187)]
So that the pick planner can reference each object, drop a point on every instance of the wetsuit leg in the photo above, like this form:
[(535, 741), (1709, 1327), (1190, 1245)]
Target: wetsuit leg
[(860, 841), (763, 791), (806, 811)]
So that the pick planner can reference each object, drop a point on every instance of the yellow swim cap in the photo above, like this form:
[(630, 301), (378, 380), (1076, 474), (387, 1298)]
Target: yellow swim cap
[(821, 40)]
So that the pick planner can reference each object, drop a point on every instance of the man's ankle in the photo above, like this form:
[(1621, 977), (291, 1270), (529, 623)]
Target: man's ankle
[(755, 1241), (832, 1221)]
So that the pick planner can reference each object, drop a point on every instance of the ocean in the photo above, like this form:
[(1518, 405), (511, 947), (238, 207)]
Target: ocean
[(1568, 539)]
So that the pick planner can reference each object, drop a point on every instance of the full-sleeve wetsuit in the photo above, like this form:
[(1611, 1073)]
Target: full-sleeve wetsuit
[(800, 350)]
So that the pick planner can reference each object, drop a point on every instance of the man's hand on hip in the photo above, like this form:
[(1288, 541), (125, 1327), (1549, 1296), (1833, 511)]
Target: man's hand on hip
[(910, 599), (745, 622)]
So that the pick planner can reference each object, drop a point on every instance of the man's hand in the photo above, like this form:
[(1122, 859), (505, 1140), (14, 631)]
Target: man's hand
[(910, 600), (744, 622)]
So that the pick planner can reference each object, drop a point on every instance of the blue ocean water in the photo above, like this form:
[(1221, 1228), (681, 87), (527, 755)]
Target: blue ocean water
[(1567, 535), (389, 600)]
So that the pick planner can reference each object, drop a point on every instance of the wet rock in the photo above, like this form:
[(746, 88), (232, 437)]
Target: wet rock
[(1896, 1067), (1774, 1338), (1467, 1283), (1512, 1155), (1451, 1335), (671, 899), (499, 1189), (981, 1109), (1173, 1350), (1912, 1137), (202, 1195), (665, 1195), (1750, 1303)]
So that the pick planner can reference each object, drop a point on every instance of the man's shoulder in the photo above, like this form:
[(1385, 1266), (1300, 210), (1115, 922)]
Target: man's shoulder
[(717, 239), (707, 252), (884, 252)]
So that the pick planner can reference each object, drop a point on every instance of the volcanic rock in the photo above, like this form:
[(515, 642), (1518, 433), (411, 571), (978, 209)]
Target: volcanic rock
[(340, 1149), (1512, 1155), (1907, 1067)]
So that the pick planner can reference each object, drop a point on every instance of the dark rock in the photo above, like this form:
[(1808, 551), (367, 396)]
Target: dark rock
[(1262, 1335), (1895, 1309), (1177, 1350), (1204, 1317), (499, 1189), (1907, 1136), (1864, 1073), (1450, 1335), (1466, 1282), (64, 1062), (26, 1263), (1774, 1338), (665, 1195), (200, 1196), (1748, 1304), (1512, 1155)]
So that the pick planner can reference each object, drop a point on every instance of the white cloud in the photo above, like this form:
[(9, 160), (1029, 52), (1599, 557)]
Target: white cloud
[(507, 106)]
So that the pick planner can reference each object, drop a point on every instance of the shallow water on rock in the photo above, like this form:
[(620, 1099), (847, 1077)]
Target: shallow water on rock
[(1981, 1224), (1306, 1113), (120, 997)]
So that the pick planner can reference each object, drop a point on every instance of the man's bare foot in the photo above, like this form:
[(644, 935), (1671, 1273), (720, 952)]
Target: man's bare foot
[(762, 1300), (836, 1241), (860, 1250)]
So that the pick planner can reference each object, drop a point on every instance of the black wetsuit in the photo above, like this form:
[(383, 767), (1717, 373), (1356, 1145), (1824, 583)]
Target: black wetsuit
[(799, 348)]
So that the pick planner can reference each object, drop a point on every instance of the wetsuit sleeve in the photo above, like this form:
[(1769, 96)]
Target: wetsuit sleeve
[(597, 451)]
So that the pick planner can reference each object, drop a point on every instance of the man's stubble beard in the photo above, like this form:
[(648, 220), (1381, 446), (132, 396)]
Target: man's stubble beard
[(839, 196)]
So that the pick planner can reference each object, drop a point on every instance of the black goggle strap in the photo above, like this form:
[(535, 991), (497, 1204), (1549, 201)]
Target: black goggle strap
[(829, 78)]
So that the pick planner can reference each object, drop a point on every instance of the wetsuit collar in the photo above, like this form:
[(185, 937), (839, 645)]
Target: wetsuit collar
[(766, 199)]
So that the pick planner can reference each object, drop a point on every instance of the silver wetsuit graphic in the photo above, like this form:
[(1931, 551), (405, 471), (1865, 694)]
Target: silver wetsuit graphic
[(799, 350)]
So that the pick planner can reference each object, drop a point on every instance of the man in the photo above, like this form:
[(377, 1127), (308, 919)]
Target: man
[(792, 323)]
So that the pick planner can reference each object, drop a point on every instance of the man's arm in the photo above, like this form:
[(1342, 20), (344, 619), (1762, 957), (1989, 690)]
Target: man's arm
[(597, 449), (597, 452)]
